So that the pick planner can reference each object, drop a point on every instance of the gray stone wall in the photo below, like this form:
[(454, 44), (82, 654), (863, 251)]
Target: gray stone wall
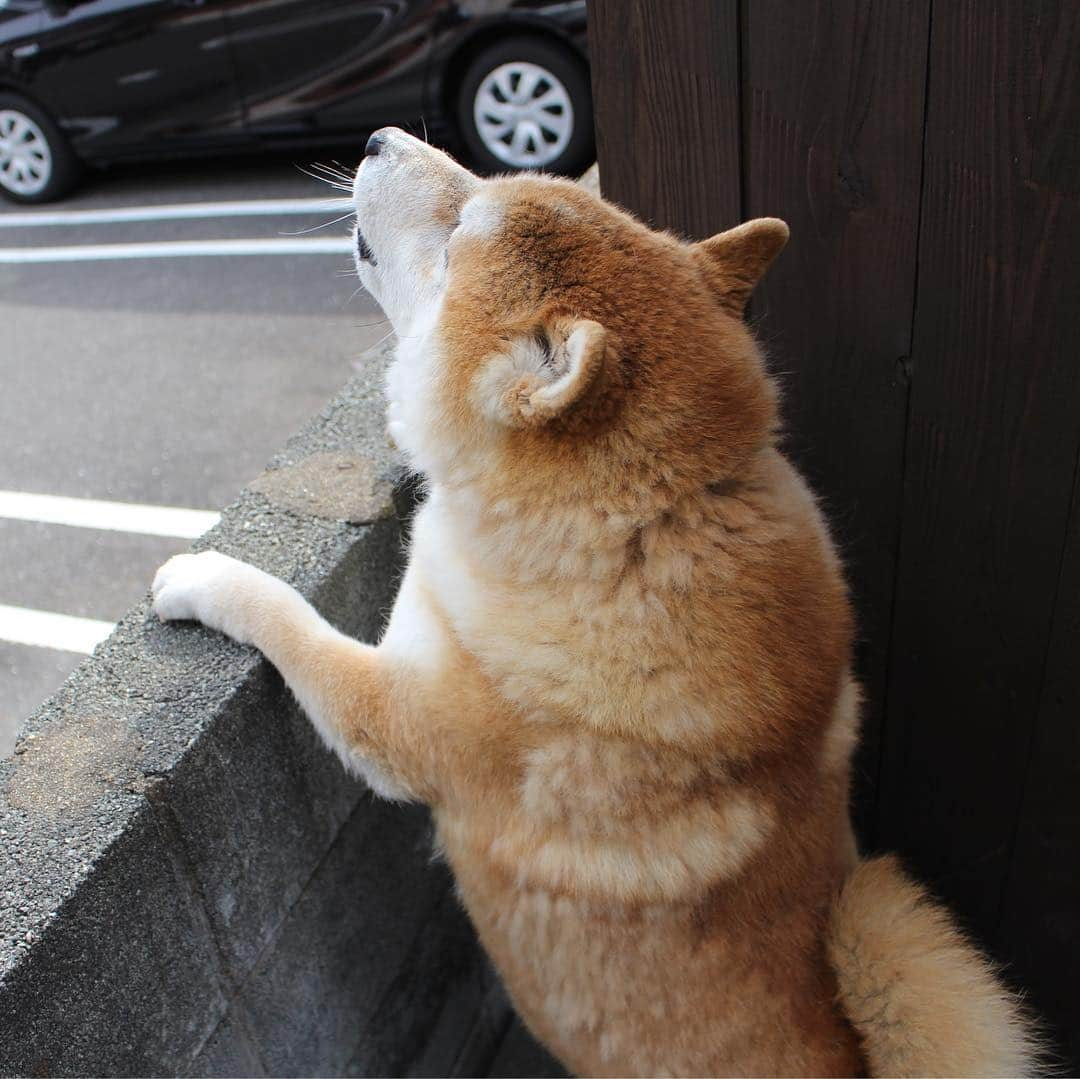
[(189, 882)]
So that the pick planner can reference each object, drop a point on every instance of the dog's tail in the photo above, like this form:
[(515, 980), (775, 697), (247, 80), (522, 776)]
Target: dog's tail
[(921, 997)]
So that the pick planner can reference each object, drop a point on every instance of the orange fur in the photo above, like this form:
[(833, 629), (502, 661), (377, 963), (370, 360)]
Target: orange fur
[(931, 1004), (619, 667)]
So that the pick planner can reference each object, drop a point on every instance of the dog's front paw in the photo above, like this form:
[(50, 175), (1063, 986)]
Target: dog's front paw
[(210, 588)]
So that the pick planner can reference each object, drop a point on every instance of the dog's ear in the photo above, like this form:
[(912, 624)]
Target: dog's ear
[(544, 374), (735, 261)]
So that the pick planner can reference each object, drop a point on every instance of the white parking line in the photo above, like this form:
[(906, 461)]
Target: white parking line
[(174, 212), (45, 629), (175, 249), (109, 516)]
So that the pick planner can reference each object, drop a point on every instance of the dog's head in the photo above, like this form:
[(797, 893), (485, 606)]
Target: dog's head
[(546, 337)]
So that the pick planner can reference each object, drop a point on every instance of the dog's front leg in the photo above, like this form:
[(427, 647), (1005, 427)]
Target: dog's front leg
[(357, 698)]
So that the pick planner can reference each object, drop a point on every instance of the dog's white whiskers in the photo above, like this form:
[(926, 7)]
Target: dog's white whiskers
[(368, 325), (344, 171), (385, 337), (331, 178), (324, 225), (330, 183), (331, 166), (338, 173)]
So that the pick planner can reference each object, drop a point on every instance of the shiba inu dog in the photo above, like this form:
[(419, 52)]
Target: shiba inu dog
[(619, 666)]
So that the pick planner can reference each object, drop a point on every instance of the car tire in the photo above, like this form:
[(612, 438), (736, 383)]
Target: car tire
[(36, 161), (525, 103)]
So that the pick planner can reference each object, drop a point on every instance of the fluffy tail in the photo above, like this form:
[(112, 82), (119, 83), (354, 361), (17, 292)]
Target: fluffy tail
[(924, 1001)]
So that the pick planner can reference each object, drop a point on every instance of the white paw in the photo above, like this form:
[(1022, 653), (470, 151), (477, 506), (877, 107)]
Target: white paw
[(210, 588)]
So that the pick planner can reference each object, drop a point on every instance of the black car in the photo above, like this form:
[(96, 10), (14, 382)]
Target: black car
[(100, 81)]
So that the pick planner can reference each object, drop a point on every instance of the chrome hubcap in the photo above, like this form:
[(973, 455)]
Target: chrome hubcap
[(25, 158), (524, 115)]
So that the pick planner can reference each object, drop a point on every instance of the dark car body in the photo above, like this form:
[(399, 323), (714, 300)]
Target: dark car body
[(140, 78)]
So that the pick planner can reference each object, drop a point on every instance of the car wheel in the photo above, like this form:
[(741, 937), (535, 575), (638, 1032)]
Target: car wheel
[(526, 103), (36, 162)]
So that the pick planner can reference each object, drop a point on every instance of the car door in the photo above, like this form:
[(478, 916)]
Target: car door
[(127, 76), (311, 67)]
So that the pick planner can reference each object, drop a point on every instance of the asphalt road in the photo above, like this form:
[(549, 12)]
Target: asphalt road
[(164, 381)]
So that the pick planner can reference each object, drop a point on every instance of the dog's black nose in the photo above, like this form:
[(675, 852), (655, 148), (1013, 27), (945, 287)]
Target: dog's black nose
[(374, 145)]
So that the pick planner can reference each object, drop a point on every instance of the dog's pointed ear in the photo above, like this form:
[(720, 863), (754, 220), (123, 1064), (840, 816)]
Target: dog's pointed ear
[(736, 260), (546, 373)]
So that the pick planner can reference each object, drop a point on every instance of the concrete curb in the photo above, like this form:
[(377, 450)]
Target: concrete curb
[(190, 882)]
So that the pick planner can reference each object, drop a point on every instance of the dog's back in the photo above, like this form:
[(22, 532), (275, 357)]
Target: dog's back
[(654, 884)]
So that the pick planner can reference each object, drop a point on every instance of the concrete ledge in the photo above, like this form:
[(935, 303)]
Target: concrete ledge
[(190, 883)]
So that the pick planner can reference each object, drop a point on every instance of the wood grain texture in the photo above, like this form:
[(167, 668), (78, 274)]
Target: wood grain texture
[(925, 324), (833, 119), (1039, 930), (666, 96), (992, 449)]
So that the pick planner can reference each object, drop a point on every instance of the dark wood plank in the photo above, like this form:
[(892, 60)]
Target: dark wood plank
[(945, 353), (1039, 932), (666, 101), (833, 132), (992, 446)]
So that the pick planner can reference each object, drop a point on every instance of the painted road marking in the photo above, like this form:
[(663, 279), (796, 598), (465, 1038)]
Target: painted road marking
[(174, 212), (45, 629), (108, 516), (176, 249)]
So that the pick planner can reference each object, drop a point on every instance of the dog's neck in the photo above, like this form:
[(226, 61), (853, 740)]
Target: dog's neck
[(532, 535)]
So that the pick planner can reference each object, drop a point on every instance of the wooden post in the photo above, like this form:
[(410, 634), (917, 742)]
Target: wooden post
[(980, 767), (662, 74), (923, 327)]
